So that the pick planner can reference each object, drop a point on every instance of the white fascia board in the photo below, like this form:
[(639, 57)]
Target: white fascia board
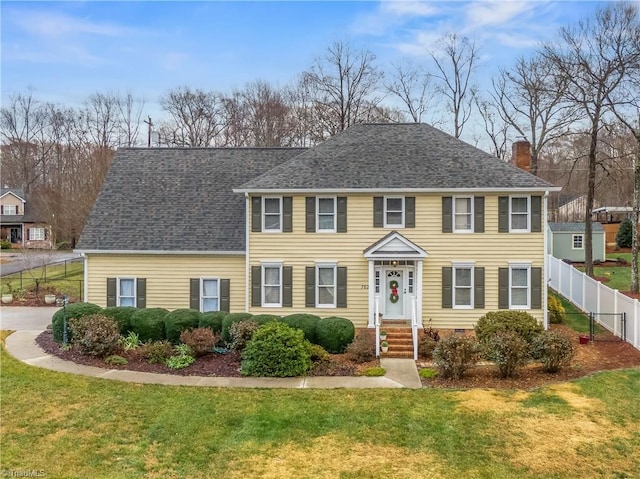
[(395, 190), (158, 252), (14, 195)]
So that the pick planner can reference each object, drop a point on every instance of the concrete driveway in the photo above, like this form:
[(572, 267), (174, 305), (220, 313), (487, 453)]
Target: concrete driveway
[(25, 318)]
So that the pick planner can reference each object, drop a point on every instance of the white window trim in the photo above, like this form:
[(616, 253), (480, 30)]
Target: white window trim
[(203, 297), (333, 265), (384, 212), (573, 241), (471, 212), (15, 210), (520, 265), (335, 214), (528, 228), (135, 289), (39, 229), (264, 214), (462, 265), (274, 264)]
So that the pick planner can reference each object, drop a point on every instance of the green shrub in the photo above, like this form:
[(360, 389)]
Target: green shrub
[(5, 244), (519, 322), (73, 310), (556, 310), (180, 320), (200, 340), (148, 324), (426, 345), (454, 355), (335, 334), (241, 333), (182, 359), (427, 373), (305, 322), (623, 237), (130, 341), (276, 350), (156, 352), (212, 320), (316, 352), (115, 359), (553, 349), (122, 315), (95, 335), (228, 320), (375, 372), (265, 318), (508, 350), (362, 348)]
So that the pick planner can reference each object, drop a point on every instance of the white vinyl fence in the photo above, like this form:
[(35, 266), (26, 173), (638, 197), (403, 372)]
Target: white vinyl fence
[(591, 296)]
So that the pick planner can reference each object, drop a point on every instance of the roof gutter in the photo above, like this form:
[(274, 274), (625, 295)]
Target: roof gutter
[(158, 252), (398, 190)]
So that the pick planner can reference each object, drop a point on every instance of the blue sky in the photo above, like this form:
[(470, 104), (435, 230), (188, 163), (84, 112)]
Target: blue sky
[(67, 50)]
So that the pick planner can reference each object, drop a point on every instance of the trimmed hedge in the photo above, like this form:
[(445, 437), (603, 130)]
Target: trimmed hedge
[(73, 310), (265, 318), (180, 320), (519, 322), (228, 320), (122, 315), (305, 322), (335, 334), (148, 324), (212, 320)]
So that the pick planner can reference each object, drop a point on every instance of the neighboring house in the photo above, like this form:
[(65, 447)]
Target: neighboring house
[(567, 208), (19, 224), (566, 241), (401, 220)]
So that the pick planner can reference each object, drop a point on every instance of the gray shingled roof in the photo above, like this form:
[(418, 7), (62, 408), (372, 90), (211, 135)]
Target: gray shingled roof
[(175, 199), (394, 156), (573, 227)]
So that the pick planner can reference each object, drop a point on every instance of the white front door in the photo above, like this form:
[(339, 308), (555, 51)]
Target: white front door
[(394, 293)]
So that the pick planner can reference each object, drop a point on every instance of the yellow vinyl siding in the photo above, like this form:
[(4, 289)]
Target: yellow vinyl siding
[(490, 249), (167, 276)]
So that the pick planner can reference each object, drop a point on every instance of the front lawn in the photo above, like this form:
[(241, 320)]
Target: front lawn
[(72, 426)]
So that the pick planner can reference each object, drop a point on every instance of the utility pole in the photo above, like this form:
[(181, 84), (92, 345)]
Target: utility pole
[(149, 125)]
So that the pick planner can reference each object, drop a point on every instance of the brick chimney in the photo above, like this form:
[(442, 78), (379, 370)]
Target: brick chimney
[(521, 155)]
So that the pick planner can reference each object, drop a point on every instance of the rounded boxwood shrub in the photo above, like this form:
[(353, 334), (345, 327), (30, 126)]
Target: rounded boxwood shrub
[(553, 349), (519, 322), (95, 335), (335, 334), (276, 350), (122, 315), (180, 320), (212, 320), (228, 320), (305, 322), (265, 318), (148, 324), (73, 310)]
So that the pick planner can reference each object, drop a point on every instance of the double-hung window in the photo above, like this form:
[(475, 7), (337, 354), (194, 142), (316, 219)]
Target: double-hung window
[(36, 234), (126, 292), (326, 208), (272, 284), (519, 286), (326, 285), (272, 214), (519, 217), (394, 212), (209, 294), (462, 285), (463, 215), (577, 242), (9, 210)]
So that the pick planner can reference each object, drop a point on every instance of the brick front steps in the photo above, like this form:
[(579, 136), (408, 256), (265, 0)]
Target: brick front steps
[(400, 341)]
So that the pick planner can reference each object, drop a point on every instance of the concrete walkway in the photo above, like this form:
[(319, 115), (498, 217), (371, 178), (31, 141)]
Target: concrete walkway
[(401, 373)]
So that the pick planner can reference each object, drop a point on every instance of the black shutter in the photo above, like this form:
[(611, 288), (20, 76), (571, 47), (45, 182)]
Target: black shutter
[(141, 293), (256, 286), (478, 288), (310, 287), (410, 212), (342, 214), (478, 214), (503, 288), (536, 288), (310, 214), (112, 292), (194, 293), (503, 214), (447, 212), (287, 286), (256, 214), (225, 295), (287, 219), (536, 214), (341, 299), (378, 211), (447, 287)]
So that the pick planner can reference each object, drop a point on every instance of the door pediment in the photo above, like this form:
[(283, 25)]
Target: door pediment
[(393, 246)]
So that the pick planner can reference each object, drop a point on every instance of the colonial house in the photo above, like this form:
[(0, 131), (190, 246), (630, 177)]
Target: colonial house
[(20, 224), (398, 221)]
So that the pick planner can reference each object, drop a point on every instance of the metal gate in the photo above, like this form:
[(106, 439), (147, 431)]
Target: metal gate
[(613, 326)]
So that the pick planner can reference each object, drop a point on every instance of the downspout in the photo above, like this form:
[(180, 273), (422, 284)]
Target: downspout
[(86, 277), (545, 289), (246, 253)]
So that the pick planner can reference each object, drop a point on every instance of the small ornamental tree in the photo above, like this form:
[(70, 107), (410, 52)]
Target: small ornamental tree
[(623, 238)]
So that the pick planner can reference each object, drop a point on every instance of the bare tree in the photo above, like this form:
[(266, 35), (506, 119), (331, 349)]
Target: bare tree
[(494, 126), (456, 61), (593, 59), (101, 119), (268, 115), (129, 116), (414, 88)]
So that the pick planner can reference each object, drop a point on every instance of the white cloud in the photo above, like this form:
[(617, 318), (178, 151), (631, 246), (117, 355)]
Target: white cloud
[(408, 8), (495, 13), (53, 24)]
